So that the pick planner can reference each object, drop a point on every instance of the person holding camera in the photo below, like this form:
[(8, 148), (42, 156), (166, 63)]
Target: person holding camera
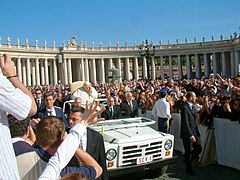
[(18, 101)]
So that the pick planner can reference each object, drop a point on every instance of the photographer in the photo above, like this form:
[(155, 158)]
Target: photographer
[(17, 100)]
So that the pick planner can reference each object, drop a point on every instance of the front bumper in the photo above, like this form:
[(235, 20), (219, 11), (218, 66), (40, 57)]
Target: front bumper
[(142, 167)]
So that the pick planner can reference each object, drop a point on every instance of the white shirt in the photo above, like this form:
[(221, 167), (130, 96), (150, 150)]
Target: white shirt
[(52, 111), (16, 139), (85, 96), (84, 142), (161, 109), (17, 103), (190, 104), (64, 153)]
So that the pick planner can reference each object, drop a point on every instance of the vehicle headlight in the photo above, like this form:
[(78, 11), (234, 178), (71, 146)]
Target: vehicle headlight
[(168, 144), (111, 154)]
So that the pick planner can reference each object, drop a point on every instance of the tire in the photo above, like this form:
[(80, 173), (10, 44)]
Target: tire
[(156, 172)]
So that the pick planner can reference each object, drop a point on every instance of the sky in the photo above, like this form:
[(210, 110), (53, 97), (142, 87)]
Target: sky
[(117, 20)]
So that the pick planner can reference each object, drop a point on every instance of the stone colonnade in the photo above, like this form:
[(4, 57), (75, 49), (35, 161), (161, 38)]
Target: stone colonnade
[(73, 64)]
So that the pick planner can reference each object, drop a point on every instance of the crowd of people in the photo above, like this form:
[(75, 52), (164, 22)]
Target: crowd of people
[(46, 119), (216, 96)]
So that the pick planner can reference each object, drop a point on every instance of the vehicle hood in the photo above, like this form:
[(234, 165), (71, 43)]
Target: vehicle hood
[(126, 135)]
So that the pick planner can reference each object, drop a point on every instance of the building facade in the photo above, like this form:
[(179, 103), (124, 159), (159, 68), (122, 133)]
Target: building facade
[(38, 65)]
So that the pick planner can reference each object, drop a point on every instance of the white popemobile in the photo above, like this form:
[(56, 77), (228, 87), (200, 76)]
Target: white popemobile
[(131, 145)]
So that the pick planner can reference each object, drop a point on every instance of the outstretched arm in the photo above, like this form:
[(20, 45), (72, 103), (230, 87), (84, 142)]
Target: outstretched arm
[(87, 160), (69, 146)]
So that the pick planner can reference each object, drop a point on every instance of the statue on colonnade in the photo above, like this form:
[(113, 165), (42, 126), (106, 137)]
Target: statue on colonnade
[(135, 43), (26, 42), (18, 41), (160, 42), (36, 43), (126, 43), (74, 41), (63, 43), (9, 40)]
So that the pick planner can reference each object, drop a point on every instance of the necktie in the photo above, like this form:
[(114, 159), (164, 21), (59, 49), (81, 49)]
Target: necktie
[(50, 113), (131, 106), (111, 111), (193, 108), (38, 103)]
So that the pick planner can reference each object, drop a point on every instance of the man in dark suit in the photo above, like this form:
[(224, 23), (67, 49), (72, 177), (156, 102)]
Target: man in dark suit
[(52, 110), (189, 132), (92, 143), (129, 107), (39, 101), (112, 111)]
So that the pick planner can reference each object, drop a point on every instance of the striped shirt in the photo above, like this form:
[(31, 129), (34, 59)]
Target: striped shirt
[(17, 103)]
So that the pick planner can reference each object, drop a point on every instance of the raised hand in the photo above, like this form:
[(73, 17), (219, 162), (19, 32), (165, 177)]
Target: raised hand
[(7, 65), (90, 115)]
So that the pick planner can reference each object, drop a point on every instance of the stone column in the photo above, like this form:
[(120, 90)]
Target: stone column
[(214, 61), (127, 69), (206, 66), (86, 70), (198, 67), (180, 72), (37, 72), (50, 62), (42, 72), (224, 70), (188, 67), (162, 67), (24, 74), (232, 61), (19, 68), (78, 69), (69, 70), (33, 64), (82, 69), (153, 68), (110, 65), (55, 75), (28, 67), (65, 71), (144, 69), (118, 66), (170, 67), (102, 76), (236, 56), (94, 74), (135, 68), (46, 71)]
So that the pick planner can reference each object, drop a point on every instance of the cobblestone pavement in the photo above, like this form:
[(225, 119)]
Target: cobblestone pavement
[(177, 171)]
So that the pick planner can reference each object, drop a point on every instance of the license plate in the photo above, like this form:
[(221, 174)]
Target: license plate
[(145, 159)]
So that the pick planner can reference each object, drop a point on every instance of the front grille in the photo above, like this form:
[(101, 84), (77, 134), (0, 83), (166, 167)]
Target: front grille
[(130, 153)]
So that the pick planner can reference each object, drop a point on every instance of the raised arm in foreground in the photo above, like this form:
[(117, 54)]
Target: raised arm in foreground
[(69, 146)]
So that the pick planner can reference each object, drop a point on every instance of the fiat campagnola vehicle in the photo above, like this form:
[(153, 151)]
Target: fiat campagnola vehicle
[(131, 145)]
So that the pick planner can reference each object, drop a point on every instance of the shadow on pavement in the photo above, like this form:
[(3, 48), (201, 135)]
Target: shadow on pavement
[(177, 171)]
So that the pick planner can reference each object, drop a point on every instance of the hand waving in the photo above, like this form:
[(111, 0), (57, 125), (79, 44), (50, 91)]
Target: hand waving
[(90, 115)]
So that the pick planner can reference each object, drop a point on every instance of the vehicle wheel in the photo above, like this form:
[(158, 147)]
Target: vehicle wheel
[(156, 172)]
